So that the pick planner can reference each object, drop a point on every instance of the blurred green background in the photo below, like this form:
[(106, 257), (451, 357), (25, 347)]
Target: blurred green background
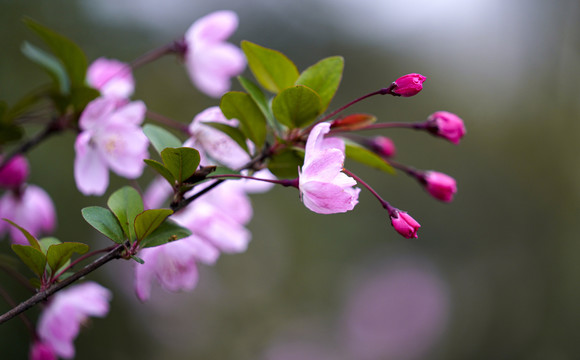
[(493, 275)]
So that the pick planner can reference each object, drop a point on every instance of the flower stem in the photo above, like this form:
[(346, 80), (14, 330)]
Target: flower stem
[(283, 182), (385, 204), (164, 120), (115, 253), (156, 54)]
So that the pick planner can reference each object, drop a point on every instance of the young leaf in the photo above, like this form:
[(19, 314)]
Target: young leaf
[(126, 204), (273, 70), (260, 100), (31, 239), (47, 242), (161, 170), (105, 222), (234, 133), (353, 122), (138, 259), (32, 257), (149, 220), (160, 138), (181, 162), (71, 56), (166, 232), (50, 64), (82, 95), (367, 157), (297, 106), (324, 78), (239, 105), (285, 164), (58, 255)]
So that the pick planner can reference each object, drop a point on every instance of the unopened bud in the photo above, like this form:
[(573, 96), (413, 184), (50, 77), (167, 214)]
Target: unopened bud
[(440, 186), (409, 85), (382, 146), (405, 224), (446, 125), (14, 173)]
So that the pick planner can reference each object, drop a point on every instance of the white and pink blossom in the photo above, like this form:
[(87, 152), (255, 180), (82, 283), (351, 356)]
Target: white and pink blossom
[(60, 322), (209, 59), (324, 188), (30, 208), (111, 138), (112, 78)]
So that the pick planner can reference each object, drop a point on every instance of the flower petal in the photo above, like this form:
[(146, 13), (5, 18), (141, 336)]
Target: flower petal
[(90, 170)]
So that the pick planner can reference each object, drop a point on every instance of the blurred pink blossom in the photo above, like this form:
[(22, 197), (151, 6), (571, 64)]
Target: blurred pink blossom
[(396, 313), (14, 173), (60, 322), (211, 61), (446, 125), (173, 265), (405, 224), (112, 78), (409, 85), (324, 188), (31, 208), (112, 138), (440, 186)]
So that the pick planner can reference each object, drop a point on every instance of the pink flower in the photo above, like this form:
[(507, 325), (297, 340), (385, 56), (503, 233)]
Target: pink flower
[(324, 188), (409, 85), (60, 322), (211, 61), (112, 78), (41, 351), (31, 209), (440, 186), (14, 173), (217, 145), (405, 224), (174, 265), (446, 125), (383, 146), (111, 138)]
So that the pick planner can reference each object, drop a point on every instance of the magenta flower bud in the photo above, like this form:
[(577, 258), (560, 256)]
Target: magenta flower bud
[(409, 85), (41, 351), (405, 224), (446, 125), (440, 186), (14, 173), (383, 146)]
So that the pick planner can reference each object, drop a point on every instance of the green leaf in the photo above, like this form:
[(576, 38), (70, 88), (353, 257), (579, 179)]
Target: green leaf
[(82, 95), (240, 105), (126, 204), (273, 70), (161, 170), (31, 239), (168, 231), (324, 78), (297, 106), (149, 220), (138, 259), (105, 222), (10, 132), (260, 99), (181, 162), (32, 257), (47, 242), (69, 53), (59, 254), (234, 133), (50, 64), (367, 157), (160, 138), (285, 163)]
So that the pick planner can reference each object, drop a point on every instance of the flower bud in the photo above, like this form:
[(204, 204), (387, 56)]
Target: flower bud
[(383, 146), (41, 351), (440, 186), (446, 125), (409, 85), (14, 173), (405, 224)]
